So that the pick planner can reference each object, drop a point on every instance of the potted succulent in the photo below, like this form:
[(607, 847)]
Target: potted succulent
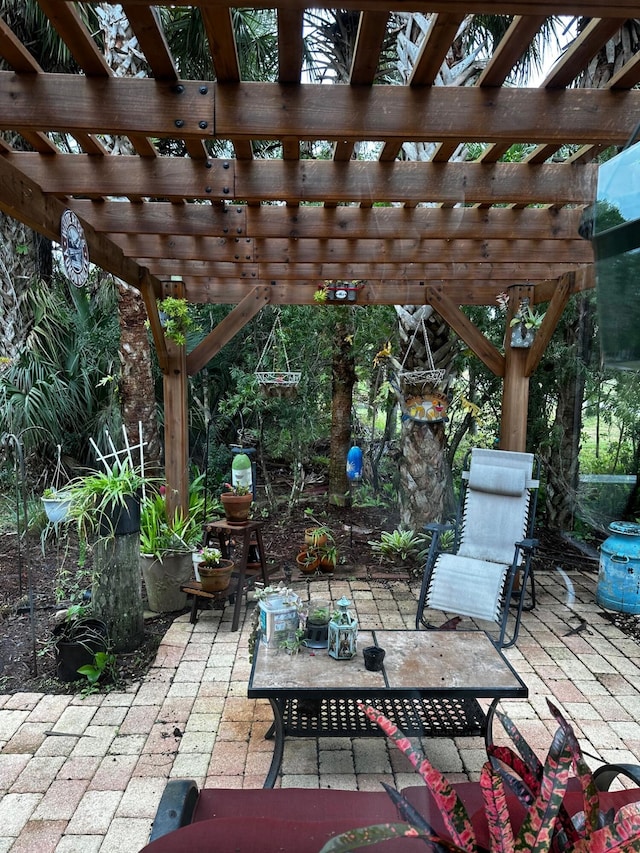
[(215, 573), (236, 501)]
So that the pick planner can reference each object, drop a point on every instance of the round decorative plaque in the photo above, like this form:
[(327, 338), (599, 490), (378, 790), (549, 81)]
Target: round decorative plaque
[(75, 252)]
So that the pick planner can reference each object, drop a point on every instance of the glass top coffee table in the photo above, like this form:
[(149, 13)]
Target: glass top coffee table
[(429, 686)]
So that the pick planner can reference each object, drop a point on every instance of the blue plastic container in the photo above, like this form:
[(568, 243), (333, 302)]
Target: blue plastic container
[(619, 570)]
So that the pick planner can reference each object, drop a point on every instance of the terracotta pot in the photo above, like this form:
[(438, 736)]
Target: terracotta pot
[(307, 566), (236, 507), (216, 578), (312, 537), (327, 566)]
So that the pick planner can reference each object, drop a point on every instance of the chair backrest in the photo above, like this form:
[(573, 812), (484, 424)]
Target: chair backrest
[(497, 509)]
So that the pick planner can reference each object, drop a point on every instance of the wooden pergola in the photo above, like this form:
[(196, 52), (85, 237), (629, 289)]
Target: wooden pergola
[(250, 232)]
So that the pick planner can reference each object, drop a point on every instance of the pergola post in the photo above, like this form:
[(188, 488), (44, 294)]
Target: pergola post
[(515, 387), (515, 400), (176, 433)]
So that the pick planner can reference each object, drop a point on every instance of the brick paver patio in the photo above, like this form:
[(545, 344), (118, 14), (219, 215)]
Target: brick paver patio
[(85, 775)]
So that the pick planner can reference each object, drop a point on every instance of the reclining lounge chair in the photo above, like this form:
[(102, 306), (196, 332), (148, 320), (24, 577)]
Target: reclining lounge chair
[(484, 576)]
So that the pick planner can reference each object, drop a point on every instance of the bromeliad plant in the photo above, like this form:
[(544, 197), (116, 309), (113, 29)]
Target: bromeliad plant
[(546, 826)]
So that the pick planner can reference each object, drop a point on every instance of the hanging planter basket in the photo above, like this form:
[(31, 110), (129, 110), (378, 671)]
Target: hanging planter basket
[(276, 382), (420, 398)]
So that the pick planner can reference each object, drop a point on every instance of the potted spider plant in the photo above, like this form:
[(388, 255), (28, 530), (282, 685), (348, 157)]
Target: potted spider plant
[(166, 548), (107, 502)]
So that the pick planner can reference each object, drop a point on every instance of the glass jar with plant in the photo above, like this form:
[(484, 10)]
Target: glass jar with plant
[(317, 633)]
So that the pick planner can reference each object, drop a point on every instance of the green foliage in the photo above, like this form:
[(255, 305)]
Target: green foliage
[(401, 547), (103, 667), (50, 394), (538, 789), (177, 322), (95, 496), (159, 534)]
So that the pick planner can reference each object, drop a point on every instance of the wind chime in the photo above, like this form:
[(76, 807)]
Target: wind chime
[(277, 382), (420, 398)]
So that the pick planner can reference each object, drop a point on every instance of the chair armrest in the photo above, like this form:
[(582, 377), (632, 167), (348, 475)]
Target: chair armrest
[(436, 527), (605, 775), (175, 808), (528, 544)]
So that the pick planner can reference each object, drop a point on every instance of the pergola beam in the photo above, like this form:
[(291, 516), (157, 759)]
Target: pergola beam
[(348, 223), (310, 180), (309, 251), (591, 8), (203, 110), (388, 292)]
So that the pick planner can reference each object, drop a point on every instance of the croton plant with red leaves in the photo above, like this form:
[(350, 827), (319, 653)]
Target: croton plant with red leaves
[(540, 788)]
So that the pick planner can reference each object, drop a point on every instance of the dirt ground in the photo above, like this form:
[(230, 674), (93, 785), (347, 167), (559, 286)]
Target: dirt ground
[(26, 659)]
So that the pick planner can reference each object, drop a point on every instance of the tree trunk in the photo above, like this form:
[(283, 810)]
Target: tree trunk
[(137, 392), (561, 460), (343, 373), (425, 477), (116, 594)]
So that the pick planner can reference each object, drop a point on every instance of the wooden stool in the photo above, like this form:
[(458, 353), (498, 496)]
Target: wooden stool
[(245, 571)]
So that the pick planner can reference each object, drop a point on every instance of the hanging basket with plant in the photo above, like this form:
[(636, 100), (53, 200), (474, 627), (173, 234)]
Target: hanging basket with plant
[(56, 499), (419, 392)]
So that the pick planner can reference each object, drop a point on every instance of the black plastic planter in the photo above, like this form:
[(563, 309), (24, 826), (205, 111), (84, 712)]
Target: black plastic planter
[(76, 644)]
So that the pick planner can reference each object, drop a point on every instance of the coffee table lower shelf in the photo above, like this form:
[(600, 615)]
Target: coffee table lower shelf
[(340, 716), (445, 716)]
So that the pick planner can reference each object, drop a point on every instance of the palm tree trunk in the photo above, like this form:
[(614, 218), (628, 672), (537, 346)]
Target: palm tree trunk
[(137, 393)]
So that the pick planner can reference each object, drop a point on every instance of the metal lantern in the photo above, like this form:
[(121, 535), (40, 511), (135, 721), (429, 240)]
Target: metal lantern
[(343, 632)]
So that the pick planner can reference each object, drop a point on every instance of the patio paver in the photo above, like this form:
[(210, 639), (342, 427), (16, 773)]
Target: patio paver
[(95, 788)]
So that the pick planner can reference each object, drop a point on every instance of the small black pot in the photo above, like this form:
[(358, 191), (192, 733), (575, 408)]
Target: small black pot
[(373, 658), (121, 519), (317, 635), (76, 644)]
